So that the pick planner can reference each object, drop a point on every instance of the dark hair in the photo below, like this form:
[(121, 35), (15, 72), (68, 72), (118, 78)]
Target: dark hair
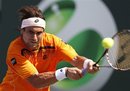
[(30, 11)]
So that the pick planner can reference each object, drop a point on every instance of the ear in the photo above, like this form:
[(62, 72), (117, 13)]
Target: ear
[(21, 31)]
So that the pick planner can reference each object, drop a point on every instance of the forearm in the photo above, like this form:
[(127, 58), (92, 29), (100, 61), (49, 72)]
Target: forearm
[(78, 61), (45, 79), (42, 80), (85, 64)]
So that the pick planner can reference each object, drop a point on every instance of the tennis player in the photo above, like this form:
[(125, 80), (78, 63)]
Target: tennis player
[(32, 57)]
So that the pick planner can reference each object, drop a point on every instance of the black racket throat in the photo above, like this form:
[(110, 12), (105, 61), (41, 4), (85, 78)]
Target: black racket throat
[(101, 57)]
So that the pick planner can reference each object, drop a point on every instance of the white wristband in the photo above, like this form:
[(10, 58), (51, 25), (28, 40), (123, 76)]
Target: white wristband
[(61, 74), (85, 64)]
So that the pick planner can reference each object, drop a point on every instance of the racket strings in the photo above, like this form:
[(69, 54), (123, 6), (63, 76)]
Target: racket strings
[(110, 57), (119, 54)]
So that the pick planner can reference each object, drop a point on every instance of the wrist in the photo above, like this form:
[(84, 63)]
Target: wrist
[(60, 74), (86, 62)]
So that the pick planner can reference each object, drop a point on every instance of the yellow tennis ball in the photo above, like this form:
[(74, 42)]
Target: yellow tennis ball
[(107, 43)]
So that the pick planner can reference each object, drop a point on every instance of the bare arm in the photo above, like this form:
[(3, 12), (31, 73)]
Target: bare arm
[(84, 63), (78, 61), (42, 80), (45, 79)]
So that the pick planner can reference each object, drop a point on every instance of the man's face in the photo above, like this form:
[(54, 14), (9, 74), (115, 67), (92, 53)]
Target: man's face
[(32, 36)]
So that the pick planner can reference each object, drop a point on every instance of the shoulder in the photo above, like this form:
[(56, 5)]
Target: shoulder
[(16, 45), (51, 38), (49, 35)]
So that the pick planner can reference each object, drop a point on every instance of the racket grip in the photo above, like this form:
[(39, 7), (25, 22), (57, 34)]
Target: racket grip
[(84, 71), (95, 64)]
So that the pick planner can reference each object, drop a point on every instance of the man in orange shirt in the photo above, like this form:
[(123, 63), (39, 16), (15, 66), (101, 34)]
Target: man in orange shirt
[(33, 56)]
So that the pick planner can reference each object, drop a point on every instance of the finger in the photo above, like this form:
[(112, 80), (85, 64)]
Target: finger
[(96, 67), (77, 76), (90, 67), (79, 72)]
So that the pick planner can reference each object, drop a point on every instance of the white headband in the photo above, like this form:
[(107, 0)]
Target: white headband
[(34, 21)]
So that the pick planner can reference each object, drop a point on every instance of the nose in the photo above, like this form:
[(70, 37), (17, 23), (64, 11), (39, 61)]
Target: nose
[(35, 38)]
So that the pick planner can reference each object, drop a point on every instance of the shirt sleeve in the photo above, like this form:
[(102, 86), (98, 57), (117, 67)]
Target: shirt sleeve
[(20, 65), (66, 52)]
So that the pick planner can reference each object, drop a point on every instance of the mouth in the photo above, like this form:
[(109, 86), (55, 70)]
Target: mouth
[(34, 42)]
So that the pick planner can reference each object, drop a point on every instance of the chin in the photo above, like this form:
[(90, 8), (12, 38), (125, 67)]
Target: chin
[(32, 47)]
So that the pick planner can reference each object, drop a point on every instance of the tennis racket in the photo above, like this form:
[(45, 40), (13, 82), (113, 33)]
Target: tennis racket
[(118, 56)]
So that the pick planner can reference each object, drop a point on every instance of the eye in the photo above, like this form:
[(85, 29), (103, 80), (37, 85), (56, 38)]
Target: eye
[(30, 32), (39, 33)]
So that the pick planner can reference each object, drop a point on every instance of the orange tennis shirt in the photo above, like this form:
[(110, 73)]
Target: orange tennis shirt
[(23, 63)]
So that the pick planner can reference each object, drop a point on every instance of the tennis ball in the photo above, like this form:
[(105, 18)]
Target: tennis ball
[(107, 43)]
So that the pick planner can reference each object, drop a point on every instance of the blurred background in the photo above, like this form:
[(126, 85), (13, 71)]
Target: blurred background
[(82, 24), (0, 8)]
